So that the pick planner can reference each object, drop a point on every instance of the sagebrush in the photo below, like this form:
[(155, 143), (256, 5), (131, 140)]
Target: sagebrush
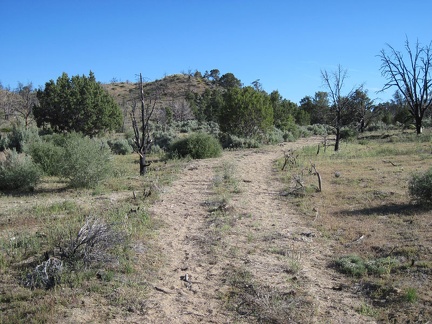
[(18, 171), (197, 146)]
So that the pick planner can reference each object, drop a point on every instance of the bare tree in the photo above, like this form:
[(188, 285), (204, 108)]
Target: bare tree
[(334, 81), (8, 103), (182, 110), (412, 77), (141, 126), (27, 100)]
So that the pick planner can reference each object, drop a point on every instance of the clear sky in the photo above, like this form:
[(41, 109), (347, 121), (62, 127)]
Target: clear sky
[(283, 43)]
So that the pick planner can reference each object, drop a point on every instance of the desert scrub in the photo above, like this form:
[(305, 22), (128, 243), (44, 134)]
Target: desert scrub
[(197, 146), (120, 146), (18, 171), (85, 162), (229, 141), (411, 295), (357, 267), (48, 155), (76, 250), (19, 138), (352, 265), (420, 187)]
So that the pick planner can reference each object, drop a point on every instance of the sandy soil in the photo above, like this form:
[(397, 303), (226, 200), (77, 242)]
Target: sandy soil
[(264, 223)]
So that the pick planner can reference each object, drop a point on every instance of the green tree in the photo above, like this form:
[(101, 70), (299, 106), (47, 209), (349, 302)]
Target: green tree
[(317, 107), (228, 80), (214, 75), (246, 112), (208, 105), (284, 111), (362, 109), (77, 104)]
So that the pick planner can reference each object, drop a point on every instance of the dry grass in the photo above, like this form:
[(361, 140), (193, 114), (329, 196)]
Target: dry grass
[(35, 227), (365, 210)]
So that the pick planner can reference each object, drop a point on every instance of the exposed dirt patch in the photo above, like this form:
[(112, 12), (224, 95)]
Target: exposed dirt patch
[(263, 237)]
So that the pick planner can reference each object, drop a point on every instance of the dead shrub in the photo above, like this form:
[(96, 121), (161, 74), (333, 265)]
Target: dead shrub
[(92, 245)]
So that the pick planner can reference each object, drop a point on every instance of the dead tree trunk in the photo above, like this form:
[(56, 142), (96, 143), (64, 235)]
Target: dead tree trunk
[(313, 168), (142, 137)]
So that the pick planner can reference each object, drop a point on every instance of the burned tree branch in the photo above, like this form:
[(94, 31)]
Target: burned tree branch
[(313, 168)]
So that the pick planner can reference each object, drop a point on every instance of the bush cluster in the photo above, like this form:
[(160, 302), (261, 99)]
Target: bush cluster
[(348, 133), (48, 155), (18, 171), (229, 141), (420, 187), (120, 146), (315, 129), (18, 138), (355, 266), (197, 146), (81, 160), (86, 162)]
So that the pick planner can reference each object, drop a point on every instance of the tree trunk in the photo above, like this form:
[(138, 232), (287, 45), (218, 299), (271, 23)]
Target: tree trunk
[(143, 165), (419, 128), (337, 139), (362, 125)]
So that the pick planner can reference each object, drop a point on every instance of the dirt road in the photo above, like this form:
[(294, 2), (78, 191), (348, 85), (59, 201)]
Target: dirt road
[(264, 237)]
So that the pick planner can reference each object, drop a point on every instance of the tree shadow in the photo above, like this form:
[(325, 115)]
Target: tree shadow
[(392, 209), (35, 192)]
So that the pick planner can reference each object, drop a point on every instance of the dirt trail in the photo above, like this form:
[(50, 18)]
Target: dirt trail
[(268, 224)]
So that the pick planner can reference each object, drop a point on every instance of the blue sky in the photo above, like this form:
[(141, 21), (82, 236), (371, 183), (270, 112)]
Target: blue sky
[(283, 43)]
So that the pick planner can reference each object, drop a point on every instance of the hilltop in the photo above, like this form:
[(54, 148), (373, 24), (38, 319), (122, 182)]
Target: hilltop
[(172, 87)]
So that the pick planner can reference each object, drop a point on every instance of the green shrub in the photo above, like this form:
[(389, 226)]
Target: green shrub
[(163, 139), (289, 137), (411, 295), (197, 146), (4, 142), (85, 161), (275, 136), (316, 129), (229, 141), (120, 146), (19, 137), (380, 266), (420, 187), (18, 171), (348, 133), (48, 155), (352, 265), (355, 266)]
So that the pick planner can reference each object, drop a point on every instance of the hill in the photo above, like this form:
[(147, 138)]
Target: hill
[(171, 88)]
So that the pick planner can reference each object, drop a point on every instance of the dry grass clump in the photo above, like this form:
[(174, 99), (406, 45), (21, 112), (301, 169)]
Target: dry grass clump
[(249, 299), (366, 210)]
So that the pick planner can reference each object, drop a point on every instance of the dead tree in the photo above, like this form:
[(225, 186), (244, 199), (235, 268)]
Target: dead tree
[(325, 142), (142, 137), (290, 158), (27, 100), (412, 78), (313, 170), (334, 81)]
